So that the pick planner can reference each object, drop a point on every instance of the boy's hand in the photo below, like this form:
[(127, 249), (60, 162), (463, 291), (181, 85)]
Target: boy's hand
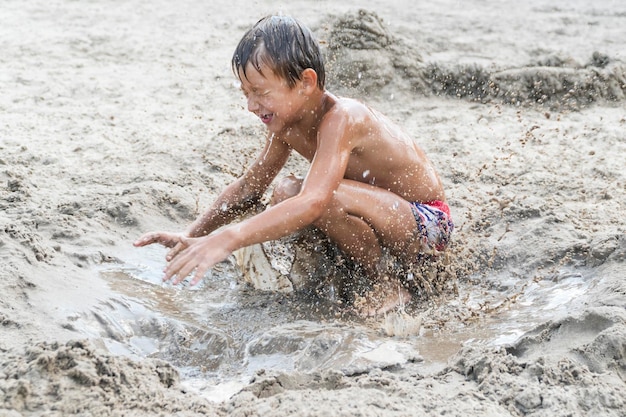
[(186, 255), (200, 255), (176, 241)]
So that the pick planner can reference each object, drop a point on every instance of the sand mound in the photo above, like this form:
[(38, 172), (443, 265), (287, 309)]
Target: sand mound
[(365, 59), (565, 368), (77, 379), (552, 85)]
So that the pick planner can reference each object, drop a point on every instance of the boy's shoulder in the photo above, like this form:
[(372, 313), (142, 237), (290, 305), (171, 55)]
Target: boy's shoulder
[(349, 103), (348, 107)]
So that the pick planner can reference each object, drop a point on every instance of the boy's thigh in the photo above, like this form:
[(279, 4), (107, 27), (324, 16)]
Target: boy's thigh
[(389, 215)]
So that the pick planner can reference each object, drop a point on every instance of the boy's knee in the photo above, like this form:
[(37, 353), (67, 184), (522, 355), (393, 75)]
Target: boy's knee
[(286, 188)]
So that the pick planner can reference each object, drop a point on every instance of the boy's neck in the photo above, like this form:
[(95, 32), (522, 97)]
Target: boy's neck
[(317, 106)]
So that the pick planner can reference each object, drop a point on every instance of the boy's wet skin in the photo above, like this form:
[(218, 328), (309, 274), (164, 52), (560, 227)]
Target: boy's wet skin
[(365, 172)]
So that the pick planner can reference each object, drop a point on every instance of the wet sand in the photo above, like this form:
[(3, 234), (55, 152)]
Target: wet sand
[(116, 119)]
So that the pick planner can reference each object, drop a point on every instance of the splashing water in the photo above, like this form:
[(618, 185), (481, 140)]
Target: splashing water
[(220, 333)]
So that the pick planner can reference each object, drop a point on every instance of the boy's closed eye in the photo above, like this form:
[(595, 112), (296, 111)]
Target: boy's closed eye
[(255, 93)]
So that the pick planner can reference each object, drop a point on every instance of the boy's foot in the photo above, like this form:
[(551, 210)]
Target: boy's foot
[(386, 295)]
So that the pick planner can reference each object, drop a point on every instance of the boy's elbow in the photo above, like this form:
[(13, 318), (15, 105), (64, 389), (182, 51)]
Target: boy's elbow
[(315, 209)]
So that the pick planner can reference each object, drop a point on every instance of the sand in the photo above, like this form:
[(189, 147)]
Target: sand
[(118, 118)]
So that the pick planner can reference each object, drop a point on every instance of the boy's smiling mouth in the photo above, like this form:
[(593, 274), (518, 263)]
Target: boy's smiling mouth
[(266, 118)]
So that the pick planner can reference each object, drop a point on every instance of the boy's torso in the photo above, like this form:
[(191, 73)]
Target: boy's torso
[(381, 154)]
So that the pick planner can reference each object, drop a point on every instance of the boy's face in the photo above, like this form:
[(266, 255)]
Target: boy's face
[(270, 97)]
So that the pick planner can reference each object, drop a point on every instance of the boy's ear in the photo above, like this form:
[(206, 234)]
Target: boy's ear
[(309, 79)]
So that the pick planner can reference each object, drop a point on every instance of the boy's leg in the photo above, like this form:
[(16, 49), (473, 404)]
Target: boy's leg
[(361, 220)]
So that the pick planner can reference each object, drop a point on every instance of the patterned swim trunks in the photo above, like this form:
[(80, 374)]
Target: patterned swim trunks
[(434, 224)]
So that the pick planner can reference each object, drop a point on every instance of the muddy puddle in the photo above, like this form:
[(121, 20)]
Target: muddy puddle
[(221, 333)]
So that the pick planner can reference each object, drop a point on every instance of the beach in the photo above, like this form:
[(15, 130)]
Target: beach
[(119, 118)]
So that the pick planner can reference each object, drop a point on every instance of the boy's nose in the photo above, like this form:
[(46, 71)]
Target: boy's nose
[(252, 104)]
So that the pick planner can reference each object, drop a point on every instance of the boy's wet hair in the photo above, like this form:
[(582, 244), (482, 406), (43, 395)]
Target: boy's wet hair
[(284, 45)]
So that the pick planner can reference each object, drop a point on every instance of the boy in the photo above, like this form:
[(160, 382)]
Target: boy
[(370, 189)]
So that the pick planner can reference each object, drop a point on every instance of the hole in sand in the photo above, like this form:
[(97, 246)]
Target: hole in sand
[(222, 332)]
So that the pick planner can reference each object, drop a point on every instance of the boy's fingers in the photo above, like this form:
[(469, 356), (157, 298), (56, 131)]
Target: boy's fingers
[(154, 237), (144, 240), (179, 247), (166, 239), (179, 267), (183, 260), (170, 272), (200, 272), (184, 272)]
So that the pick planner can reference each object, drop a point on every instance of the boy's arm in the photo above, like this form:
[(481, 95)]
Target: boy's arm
[(245, 192), (325, 174), (235, 199)]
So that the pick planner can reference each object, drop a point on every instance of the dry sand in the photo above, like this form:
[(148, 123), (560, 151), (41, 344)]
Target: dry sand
[(118, 118)]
